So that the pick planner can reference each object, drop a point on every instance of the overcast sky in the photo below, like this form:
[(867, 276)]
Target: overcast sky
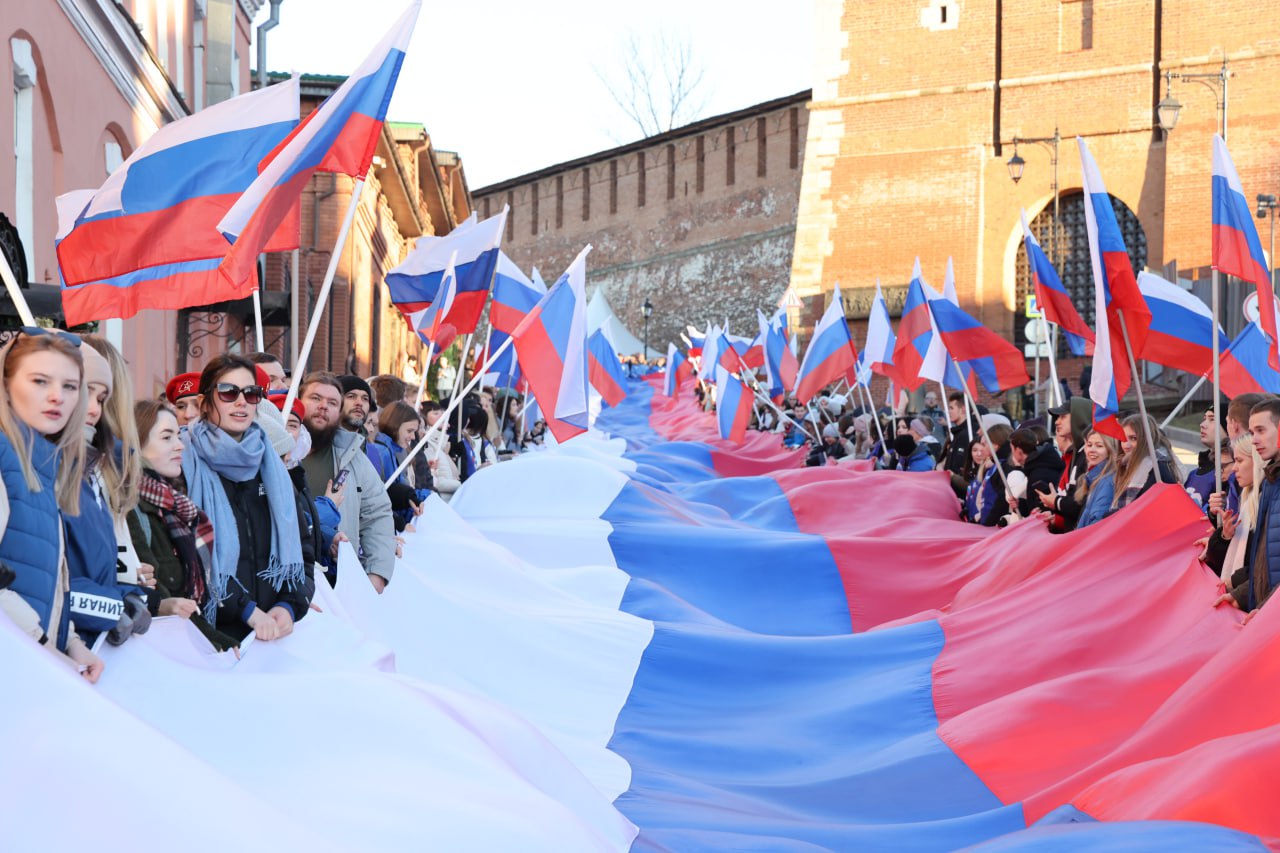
[(512, 86)]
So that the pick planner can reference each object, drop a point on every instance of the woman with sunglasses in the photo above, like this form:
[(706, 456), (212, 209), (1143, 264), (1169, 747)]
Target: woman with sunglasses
[(258, 574), (42, 408)]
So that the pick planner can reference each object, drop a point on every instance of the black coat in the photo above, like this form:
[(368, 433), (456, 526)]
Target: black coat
[(957, 454), (1044, 469), (253, 519)]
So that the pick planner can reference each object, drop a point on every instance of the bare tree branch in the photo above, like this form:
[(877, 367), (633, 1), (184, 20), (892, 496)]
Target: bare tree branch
[(657, 83)]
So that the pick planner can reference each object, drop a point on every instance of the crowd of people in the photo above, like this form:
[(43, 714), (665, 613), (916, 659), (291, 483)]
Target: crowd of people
[(219, 501), (1067, 474), (214, 503)]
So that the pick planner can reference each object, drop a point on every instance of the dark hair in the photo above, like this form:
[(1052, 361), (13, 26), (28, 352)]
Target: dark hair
[(145, 415), (387, 389), (394, 416), (1024, 440), (1041, 433), (322, 377), (429, 406), (956, 397), (219, 366), (477, 421)]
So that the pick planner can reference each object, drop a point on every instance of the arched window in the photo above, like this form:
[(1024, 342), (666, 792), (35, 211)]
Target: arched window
[(1070, 253)]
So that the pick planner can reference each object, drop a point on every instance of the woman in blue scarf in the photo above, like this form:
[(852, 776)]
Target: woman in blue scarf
[(259, 581)]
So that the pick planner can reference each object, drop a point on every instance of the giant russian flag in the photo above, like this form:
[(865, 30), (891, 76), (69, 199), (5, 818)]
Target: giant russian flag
[(338, 136), (831, 353), (696, 647), (1116, 295), (603, 368), (1181, 333), (1236, 248), (414, 282), (551, 342), (148, 237), (1052, 297)]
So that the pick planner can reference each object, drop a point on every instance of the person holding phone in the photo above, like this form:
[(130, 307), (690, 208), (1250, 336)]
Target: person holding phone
[(259, 577)]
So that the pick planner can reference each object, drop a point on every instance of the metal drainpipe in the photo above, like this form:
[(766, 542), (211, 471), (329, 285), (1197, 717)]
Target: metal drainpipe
[(268, 24)]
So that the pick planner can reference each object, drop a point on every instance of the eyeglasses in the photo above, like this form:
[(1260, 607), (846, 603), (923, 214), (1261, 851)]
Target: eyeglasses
[(36, 331), (227, 393)]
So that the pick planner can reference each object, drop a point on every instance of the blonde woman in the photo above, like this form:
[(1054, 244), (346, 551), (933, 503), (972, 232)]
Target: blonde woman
[(1224, 551), (42, 408)]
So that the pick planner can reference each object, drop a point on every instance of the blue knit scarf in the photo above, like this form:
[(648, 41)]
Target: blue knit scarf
[(212, 453)]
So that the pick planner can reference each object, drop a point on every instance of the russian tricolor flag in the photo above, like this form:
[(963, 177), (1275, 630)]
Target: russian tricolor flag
[(1244, 366), (678, 369), (148, 237), (514, 295), (430, 321), (604, 369), (880, 344), (697, 340), (551, 344), (915, 333), (1181, 333), (1116, 293), (733, 406), (938, 364), (414, 282), (1052, 297), (831, 352), (994, 361), (1236, 248), (710, 354), (339, 136)]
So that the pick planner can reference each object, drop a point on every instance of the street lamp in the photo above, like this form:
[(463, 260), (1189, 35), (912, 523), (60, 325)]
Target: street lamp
[(647, 308), (1016, 166), (1169, 107), (1267, 205)]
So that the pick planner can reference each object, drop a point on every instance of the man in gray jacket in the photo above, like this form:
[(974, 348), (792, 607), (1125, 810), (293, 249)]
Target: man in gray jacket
[(362, 499)]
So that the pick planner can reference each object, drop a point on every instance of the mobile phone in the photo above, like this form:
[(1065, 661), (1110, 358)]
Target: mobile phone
[(341, 478)]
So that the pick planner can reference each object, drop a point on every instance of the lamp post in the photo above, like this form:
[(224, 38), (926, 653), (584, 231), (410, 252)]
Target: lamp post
[(1267, 204), (1169, 107), (1016, 164), (647, 308)]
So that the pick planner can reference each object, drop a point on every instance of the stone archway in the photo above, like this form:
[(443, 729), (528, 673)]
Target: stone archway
[(1071, 253)]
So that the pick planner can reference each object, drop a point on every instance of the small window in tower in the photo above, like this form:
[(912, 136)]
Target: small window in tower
[(940, 15)]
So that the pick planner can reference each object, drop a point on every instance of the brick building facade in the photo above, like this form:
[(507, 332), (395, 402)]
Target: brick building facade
[(700, 220), (917, 107)]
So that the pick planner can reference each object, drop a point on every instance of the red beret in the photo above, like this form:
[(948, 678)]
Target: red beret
[(182, 385), (278, 397)]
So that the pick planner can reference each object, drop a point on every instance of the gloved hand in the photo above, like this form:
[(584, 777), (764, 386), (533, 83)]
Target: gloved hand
[(136, 619), (7, 576)]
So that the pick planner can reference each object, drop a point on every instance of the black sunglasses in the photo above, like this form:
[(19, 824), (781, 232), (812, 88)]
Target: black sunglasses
[(36, 331), (227, 393)]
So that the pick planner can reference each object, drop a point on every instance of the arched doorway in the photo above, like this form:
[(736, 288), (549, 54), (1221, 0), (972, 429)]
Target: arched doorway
[(1070, 254)]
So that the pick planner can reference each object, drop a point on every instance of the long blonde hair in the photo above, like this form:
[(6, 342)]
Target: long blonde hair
[(1083, 486), (1250, 496), (69, 441), (120, 476)]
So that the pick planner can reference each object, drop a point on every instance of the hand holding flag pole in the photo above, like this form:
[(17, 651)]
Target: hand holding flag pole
[(444, 417)]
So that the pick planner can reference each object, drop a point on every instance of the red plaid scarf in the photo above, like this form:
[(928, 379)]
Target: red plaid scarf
[(190, 532)]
